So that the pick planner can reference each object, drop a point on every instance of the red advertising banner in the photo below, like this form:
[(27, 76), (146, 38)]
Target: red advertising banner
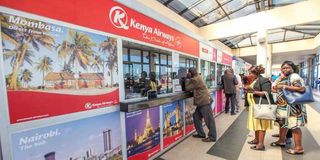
[(53, 70), (214, 58), (112, 17), (226, 59)]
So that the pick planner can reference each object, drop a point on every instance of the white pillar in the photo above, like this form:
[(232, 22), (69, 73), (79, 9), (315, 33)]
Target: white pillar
[(269, 61), (263, 55)]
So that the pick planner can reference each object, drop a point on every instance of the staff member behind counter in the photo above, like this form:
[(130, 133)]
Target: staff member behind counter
[(151, 85), (143, 85)]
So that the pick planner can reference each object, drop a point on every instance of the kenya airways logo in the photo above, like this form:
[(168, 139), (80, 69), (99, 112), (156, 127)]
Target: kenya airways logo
[(118, 17)]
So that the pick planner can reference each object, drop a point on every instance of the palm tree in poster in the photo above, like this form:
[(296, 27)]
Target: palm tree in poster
[(110, 46), (23, 40), (96, 63), (78, 50), (45, 65), (26, 77)]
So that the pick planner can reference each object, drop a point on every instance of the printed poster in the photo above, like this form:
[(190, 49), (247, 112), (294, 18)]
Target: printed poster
[(172, 122), (53, 70), (143, 133), (89, 138), (189, 110)]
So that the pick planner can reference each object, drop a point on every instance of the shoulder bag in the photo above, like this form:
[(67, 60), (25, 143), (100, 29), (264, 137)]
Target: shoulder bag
[(265, 111), (298, 97)]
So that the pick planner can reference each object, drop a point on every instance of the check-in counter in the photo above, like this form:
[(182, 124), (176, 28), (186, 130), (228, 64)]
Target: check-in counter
[(153, 126)]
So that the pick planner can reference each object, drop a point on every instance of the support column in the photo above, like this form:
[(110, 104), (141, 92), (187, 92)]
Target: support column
[(269, 61), (263, 55)]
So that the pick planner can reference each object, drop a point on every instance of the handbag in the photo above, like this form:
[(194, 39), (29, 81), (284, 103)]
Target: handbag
[(265, 111), (298, 97)]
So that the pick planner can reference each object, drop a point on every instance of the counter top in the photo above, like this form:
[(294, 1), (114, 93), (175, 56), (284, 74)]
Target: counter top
[(144, 103)]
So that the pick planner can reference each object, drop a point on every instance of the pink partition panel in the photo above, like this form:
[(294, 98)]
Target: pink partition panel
[(223, 101), (219, 101)]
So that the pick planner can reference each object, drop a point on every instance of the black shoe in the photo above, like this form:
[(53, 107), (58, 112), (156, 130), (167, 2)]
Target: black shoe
[(207, 140), (198, 136), (233, 113), (226, 112)]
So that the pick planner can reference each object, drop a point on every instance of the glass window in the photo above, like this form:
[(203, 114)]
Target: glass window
[(208, 73), (136, 70), (182, 62), (145, 57), (163, 59), (169, 60), (156, 58), (187, 62), (146, 67), (125, 54), (137, 66), (135, 55)]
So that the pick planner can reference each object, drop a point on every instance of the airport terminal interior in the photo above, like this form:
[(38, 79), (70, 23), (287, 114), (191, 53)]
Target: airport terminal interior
[(160, 79)]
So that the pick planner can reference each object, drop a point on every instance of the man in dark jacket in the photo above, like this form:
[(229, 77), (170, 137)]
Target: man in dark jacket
[(229, 82), (202, 100)]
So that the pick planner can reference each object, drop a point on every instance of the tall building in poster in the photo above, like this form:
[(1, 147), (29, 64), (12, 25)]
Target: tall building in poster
[(50, 156), (178, 116), (148, 128), (107, 140)]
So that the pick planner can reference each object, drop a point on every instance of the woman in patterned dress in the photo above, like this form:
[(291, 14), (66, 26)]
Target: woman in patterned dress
[(257, 89), (297, 115)]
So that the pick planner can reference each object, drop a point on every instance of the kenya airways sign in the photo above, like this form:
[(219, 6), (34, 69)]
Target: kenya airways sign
[(111, 17), (130, 23)]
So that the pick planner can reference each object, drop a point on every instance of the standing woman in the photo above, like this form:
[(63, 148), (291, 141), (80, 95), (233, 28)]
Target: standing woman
[(257, 89), (291, 81)]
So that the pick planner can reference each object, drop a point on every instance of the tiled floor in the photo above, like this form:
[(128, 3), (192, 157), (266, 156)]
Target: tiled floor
[(233, 136)]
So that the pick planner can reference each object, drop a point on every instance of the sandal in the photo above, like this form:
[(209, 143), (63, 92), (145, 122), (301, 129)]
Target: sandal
[(277, 144), (275, 135), (258, 149), (253, 142), (292, 151)]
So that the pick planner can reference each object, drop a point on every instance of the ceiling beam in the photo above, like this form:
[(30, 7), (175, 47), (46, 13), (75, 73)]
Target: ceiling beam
[(292, 30), (245, 5), (168, 2), (195, 19), (190, 7), (225, 13)]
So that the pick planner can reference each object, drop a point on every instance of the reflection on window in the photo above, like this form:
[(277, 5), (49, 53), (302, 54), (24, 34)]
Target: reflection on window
[(137, 66), (187, 62), (208, 73)]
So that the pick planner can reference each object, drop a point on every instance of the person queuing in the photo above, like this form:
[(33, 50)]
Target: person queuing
[(202, 100), (291, 81), (229, 82), (257, 89)]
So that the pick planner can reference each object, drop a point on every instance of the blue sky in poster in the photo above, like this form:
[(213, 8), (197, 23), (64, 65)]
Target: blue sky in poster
[(73, 140), (58, 63), (169, 108), (137, 121)]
